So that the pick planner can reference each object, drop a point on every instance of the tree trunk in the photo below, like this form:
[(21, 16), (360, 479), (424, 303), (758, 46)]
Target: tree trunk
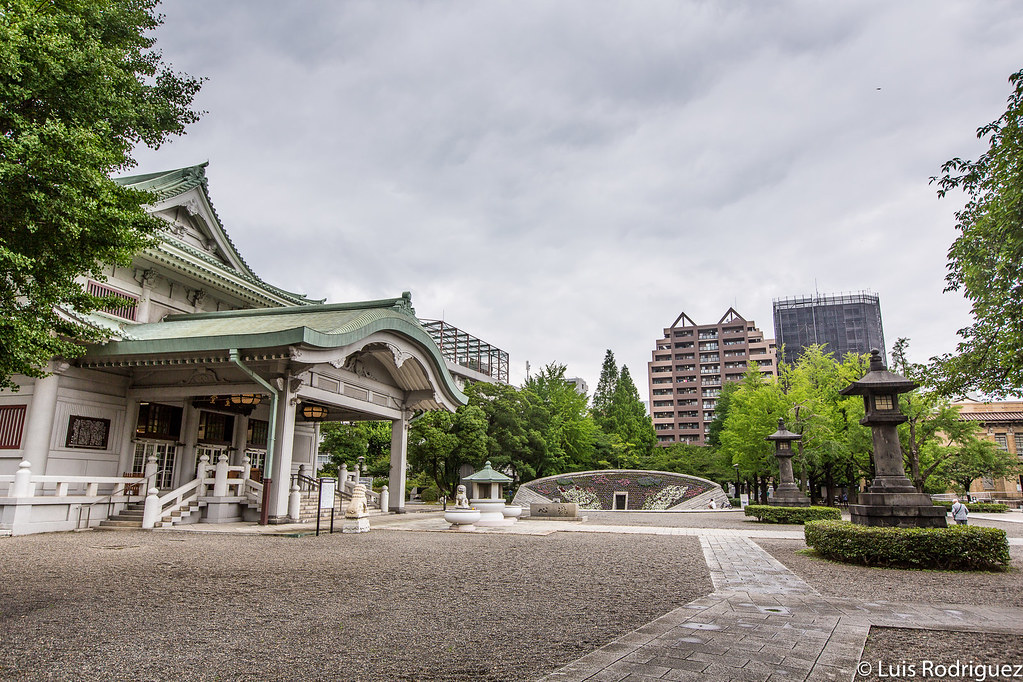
[(829, 483)]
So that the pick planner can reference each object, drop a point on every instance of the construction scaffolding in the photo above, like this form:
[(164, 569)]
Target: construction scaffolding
[(466, 350)]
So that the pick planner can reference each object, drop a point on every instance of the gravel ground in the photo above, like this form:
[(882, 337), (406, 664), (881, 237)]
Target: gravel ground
[(902, 653), (901, 585), (709, 519), (381, 606)]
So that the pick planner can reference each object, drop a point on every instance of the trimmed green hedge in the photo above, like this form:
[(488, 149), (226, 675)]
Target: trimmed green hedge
[(798, 515), (956, 547), (979, 507)]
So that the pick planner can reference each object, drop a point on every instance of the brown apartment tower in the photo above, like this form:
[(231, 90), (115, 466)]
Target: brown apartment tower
[(689, 366)]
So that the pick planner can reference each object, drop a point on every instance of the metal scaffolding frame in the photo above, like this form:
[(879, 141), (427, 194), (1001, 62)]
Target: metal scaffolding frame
[(466, 350)]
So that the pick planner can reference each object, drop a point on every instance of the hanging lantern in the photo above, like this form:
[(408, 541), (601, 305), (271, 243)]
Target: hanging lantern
[(311, 412), (246, 399)]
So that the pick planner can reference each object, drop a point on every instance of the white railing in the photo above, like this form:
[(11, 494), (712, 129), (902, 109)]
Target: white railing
[(161, 508), (26, 484), (252, 492)]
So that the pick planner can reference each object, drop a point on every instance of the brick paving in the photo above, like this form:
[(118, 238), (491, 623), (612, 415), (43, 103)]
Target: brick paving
[(763, 624)]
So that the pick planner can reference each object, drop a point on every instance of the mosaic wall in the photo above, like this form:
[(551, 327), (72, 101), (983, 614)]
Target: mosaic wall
[(650, 490)]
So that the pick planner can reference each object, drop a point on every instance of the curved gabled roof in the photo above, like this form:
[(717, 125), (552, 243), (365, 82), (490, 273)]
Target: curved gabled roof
[(165, 185), (320, 326)]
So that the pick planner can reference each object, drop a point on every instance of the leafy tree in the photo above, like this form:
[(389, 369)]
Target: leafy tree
[(753, 415), (514, 430), (79, 86), (819, 413), (933, 432), (721, 408), (431, 448), (978, 458), (346, 442), (695, 460), (986, 261), (568, 429)]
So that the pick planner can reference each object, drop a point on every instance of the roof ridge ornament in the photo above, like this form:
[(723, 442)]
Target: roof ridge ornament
[(404, 304)]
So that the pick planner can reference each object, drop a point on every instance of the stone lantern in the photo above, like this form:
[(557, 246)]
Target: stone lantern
[(891, 499), (487, 496), (787, 494)]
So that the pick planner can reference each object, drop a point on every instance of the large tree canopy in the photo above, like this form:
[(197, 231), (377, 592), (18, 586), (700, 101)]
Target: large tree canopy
[(986, 261), (79, 86)]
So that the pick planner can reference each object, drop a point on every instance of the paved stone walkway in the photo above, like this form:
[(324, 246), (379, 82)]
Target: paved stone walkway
[(762, 623)]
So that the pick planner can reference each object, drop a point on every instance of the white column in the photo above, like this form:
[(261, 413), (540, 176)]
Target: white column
[(284, 442), (185, 456), (240, 439), (131, 419), (39, 422), (399, 461)]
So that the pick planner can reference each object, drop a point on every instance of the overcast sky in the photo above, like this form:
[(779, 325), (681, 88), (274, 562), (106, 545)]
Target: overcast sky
[(560, 178)]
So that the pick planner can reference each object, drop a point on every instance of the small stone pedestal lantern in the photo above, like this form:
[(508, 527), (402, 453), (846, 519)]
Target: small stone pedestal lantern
[(788, 493), (487, 497), (892, 499)]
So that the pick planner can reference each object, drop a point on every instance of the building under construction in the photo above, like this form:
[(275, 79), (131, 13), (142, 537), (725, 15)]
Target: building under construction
[(468, 352), (842, 323)]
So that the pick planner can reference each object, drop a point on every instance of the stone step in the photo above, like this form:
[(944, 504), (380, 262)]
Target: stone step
[(116, 523)]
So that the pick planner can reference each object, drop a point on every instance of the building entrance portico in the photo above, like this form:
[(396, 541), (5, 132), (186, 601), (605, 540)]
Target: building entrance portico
[(210, 385)]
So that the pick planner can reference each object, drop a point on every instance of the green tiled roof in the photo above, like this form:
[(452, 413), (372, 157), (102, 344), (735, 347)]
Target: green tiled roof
[(320, 326), (488, 475)]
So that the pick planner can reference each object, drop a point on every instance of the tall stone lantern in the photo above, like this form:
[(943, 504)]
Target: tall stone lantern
[(788, 493), (892, 499)]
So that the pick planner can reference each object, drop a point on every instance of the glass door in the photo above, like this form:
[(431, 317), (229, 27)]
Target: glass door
[(166, 454), (212, 451)]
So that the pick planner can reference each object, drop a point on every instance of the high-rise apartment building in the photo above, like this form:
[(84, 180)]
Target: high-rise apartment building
[(691, 363), (843, 323)]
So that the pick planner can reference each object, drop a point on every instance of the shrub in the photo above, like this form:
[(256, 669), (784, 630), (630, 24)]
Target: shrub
[(979, 507), (798, 515), (735, 502), (431, 494), (955, 547)]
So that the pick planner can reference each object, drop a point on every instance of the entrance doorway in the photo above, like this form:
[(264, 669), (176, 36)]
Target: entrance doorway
[(212, 451), (166, 454), (621, 501)]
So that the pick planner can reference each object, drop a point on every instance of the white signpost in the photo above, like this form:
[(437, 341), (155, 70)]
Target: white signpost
[(328, 486)]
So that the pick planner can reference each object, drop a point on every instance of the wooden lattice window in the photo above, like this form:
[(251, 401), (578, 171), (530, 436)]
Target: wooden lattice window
[(127, 311), (215, 428), (259, 430), (157, 421), (12, 423)]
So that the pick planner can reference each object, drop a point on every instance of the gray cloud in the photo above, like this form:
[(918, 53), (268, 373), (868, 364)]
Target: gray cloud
[(561, 178)]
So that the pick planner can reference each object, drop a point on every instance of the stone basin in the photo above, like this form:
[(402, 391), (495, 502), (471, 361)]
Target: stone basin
[(462, 519)]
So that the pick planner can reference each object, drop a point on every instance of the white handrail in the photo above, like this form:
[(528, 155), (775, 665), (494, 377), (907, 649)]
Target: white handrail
[(62, 484), (175, 500)]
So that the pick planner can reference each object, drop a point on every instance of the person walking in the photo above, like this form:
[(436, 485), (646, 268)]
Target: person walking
[(959, 512)]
